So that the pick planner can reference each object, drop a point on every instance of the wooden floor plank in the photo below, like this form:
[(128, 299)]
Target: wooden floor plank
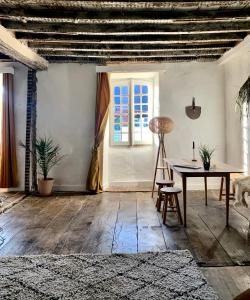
[(51, 234), (126, 231), (101, 230), (26, 228), (239, 250), (150, 235), (228, 281)]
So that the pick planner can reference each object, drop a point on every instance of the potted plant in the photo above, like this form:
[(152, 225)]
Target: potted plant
[(205, 155), (47, 155), (243, 100)]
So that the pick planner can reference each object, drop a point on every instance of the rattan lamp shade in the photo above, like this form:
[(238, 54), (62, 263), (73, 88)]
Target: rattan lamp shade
[(161, 125)]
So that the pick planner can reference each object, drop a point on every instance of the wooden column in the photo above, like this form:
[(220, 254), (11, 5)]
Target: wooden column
[(30, 161)]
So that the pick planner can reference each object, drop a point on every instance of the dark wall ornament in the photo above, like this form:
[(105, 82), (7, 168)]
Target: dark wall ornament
[(243, 100), (193, 111)]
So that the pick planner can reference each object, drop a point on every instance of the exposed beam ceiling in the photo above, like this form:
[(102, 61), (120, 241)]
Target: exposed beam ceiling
[(119, 31)]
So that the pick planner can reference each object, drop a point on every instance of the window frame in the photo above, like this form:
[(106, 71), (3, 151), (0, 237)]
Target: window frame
[(131, 82)]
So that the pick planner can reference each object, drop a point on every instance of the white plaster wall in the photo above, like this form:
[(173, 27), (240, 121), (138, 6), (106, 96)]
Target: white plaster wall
[(236, 72), (178, 83), (66, 112)]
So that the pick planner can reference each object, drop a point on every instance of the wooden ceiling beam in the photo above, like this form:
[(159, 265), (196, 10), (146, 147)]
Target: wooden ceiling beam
[(129, 40), (132, 56), (63, 59), (13, 48), (125, 48), (122, 50), (158, 5), (127, 29), (100, 16)]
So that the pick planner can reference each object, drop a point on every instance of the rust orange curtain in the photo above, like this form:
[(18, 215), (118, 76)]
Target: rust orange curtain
[(8, 171), (94, 179)]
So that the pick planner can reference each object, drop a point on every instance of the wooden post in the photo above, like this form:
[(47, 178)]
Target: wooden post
[(33, 131), (30, 131)]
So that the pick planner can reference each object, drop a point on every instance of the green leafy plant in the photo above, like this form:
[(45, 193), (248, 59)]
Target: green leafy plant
[(46, 153), (243, 100), (206, 153)]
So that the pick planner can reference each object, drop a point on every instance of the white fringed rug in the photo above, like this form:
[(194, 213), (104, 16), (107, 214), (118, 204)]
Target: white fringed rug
[(161, 275)]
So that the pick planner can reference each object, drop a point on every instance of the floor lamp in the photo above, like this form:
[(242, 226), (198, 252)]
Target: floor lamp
[(161, 126)]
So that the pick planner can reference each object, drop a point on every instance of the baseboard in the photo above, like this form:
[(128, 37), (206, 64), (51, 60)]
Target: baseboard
[(69, 188), (147, 184)]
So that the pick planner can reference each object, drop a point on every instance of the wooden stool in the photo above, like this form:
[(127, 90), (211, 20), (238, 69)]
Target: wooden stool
[(170, 198), (161, 184)]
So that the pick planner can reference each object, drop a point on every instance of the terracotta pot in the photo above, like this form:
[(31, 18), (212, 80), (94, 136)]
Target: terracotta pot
[(45, 186)]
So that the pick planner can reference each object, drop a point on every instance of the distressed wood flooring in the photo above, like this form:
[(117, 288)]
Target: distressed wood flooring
[(115, 222)]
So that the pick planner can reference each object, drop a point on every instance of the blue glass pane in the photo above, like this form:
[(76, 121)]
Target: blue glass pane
[(117, 138), (137, 89), (125, 100), (125, 90), (144, 89), (144, 108), (117, 119), (117, 100), (117, 127), (137, 108), (117, 90), (144, 99), (145, 125), (137, 125), (144, 115), (117, 109), (137, 99), (125, 109)]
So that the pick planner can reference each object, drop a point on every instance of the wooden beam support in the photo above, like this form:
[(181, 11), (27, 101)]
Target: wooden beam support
[(10, 46), (137, 54), (41, 50), (139, 39), (100, 16), (55, 46), (139, 4), (128, 29), (123, 56), (99, 61)]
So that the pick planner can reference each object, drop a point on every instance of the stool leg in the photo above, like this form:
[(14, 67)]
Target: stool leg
[(178, 209), (165, 209), (158, 198)]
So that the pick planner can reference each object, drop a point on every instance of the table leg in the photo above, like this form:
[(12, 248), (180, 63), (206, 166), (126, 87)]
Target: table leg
[(205, 181), (171, 174), (227, 198), (184, 187)]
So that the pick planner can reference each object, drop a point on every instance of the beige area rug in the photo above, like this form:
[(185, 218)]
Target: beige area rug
[(163, 275)]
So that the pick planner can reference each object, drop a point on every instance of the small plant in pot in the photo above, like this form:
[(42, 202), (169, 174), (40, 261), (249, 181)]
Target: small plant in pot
[(205, 155), (47, 155)]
